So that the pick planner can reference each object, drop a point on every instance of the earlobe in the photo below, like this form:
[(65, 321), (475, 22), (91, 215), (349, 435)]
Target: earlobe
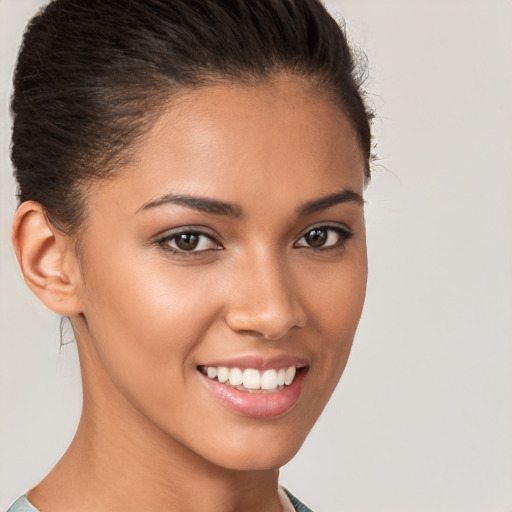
[(47, 259)]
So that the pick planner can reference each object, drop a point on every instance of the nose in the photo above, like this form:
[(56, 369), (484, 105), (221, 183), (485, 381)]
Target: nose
[(263, 301)]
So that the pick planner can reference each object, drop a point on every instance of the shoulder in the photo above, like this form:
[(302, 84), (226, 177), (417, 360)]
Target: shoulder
[(297, 505), (22, 505)]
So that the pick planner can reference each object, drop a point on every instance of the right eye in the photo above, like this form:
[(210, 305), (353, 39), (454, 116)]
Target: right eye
[(188, 241)]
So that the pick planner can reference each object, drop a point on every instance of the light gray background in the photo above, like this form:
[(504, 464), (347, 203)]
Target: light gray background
[(422, 420)]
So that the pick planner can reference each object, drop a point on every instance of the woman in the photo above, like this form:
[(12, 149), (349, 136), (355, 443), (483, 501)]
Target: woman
[(190, 182)]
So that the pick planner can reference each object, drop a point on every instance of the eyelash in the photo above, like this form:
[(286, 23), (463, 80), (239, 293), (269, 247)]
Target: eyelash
[(342, 232)]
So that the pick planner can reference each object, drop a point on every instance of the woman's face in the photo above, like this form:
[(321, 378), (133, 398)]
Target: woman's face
[(232, 247)]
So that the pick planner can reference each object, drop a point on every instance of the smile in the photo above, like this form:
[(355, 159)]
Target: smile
[(270, 391), (251, 379)]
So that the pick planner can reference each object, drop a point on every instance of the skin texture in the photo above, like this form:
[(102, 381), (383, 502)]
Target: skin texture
[(152, 436)]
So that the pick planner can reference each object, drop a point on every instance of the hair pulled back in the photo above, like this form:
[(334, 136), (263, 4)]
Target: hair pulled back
[(91, 76)]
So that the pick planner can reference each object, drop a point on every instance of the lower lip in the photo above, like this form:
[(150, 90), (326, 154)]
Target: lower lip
[(258, 405)]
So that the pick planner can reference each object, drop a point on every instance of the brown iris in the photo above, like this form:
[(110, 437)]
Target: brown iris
[(316, 237), (187, 241)]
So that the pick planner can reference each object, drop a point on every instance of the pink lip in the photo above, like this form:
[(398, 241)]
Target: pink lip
[(260, 363), (257, 404)]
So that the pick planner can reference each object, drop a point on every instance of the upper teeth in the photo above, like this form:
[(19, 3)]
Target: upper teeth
[(252, 378)]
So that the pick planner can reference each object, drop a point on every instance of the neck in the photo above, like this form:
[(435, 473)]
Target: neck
[(119, 460)]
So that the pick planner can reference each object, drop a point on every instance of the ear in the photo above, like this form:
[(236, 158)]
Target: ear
[(47, 260)]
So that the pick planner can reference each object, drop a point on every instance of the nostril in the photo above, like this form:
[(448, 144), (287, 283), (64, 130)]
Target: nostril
[(270, 326)]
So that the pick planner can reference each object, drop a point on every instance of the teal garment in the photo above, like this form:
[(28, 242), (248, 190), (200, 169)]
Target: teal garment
[(297, 505), (23, 505)]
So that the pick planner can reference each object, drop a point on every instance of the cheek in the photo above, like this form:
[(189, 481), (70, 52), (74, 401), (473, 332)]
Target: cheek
[(144, 330), (336, 303), (145, 319), (336, 294)]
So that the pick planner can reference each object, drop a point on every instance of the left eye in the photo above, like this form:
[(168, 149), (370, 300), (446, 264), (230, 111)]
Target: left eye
[(188, 241), (324, 237)]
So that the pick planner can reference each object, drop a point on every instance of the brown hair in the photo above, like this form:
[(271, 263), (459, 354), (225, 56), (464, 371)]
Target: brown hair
[(92, 75)]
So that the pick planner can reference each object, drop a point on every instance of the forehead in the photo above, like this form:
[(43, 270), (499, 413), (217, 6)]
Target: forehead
[(236, 142)]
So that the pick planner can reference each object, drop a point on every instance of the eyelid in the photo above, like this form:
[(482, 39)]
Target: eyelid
[(339, 226), (189, 228)]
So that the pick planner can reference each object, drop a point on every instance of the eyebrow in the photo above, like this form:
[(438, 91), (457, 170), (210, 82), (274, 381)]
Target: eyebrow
[(345, 196), (201, 204), (216, 207)]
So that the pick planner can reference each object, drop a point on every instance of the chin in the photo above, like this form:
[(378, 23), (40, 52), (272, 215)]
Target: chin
[(257, 449), (256, 460)]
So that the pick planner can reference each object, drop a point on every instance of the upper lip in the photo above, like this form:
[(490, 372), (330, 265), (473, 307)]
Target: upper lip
[(259, 362)]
